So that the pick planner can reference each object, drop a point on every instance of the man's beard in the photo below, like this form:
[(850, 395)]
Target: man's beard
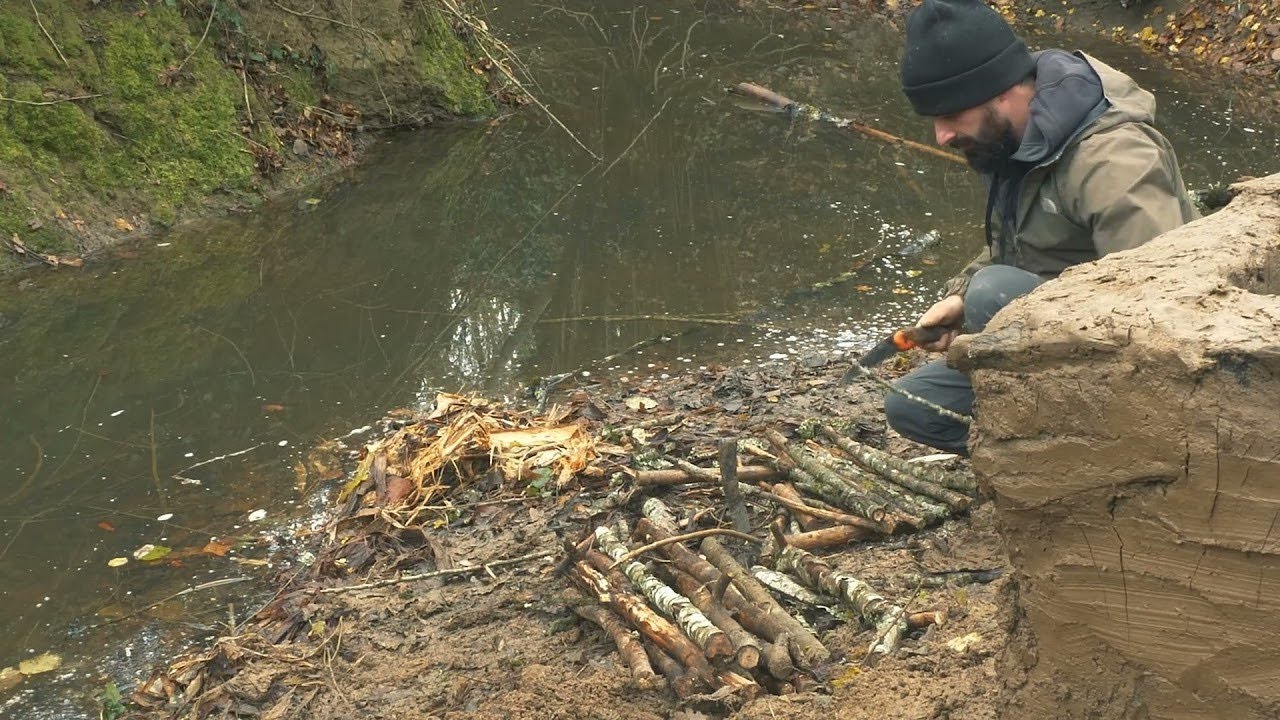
[(989, 151)]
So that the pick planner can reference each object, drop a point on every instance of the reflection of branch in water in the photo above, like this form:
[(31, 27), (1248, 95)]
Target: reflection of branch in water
[(576, 16), (252, 378), (684, 55), (155, 473), (84, 418), (637, 318), (194, 588), (636, 139), (178, 475), (17, 494)]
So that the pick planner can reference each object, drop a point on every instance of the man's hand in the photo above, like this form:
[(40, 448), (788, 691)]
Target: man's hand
[(947, 312)]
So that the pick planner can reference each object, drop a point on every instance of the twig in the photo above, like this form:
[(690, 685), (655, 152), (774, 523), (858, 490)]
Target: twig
[(252, 378), (155, 473), (50, 102), (631, 318), (944, 412), (681, 538), (195, 588), (46, 34), (487, 567), (178, 475), (213, 7), (636, 139)]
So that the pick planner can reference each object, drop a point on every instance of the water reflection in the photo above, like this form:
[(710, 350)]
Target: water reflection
[(191, 379)]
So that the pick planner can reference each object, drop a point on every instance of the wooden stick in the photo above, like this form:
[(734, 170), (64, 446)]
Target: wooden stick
[(878, 463), (441, 573), (679, 680), (809, 112), (672, 604), (746, 473), (783, 583), (777, 660), (850, 496), (806, 520), (650, 624), (629, 647), (744, 686), (873, 458), (890, 387), (917, 620), (836, 517), (801, 641), (886, 617), (827, 537), (745, 645), (951, 579), (696, 535), (729, 483)]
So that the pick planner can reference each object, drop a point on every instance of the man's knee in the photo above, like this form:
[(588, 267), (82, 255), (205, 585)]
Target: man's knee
[(917, 422), (991, 289)]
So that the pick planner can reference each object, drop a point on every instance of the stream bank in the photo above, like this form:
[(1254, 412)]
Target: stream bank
[(120, 118)]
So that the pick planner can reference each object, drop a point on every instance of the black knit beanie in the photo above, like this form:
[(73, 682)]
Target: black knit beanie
[(959, 54)]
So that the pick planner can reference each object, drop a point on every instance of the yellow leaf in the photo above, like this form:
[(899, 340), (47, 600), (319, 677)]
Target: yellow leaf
[(117, 562), (641, 403), (1039, 13), (9, 678), (864, 288), (901, 291), (124, 225), (149, 552), (47, 662)]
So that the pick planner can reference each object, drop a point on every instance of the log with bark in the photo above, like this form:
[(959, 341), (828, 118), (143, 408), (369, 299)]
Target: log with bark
[(668, 601), (841, 518), (917, 620), (729, 484), (806, 520), (640, 616), (745, 645), (784, 584), (878, 463), (827, 537), (629, 646), (681, 476), (682, 682), (956, 578), (804, 645), (887, 618), (866, 454), (845, 492)]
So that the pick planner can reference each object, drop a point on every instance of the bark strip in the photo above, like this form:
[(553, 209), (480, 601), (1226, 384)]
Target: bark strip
[(807, 649), (672, 604), (681, 476), (887, 618)]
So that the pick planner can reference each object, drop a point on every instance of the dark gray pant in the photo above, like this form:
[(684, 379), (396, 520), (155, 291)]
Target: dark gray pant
[(992, 288)]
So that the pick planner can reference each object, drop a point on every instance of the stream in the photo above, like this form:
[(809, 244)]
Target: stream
[(170, 395)]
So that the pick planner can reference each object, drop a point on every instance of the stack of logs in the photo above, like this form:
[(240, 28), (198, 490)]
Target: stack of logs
[(710, 623)]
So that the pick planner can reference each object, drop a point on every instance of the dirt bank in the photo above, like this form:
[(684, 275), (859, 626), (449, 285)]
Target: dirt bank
[(507, 644), (116, 118)]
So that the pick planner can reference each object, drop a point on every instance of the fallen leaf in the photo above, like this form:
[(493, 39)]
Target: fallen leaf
[(533, 437), (864, 288), (641, 404), (34, 224), (964, 642), (117, 562), (39, 664), (901, 291), (217, 547), (397, 489), (272, 407), (124, 225), (107, 526), (150, 552), (9, 678), (252, 562)]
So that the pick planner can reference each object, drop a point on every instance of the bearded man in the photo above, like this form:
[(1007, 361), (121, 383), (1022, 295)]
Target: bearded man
[(1073, 165)]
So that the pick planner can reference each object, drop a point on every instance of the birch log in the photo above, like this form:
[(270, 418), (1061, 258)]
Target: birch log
[(745, 645), (806, 647), (878, 463), (887, 618), (846, 493), (680, 476), (629, 646), (934, 475), (668, 601), (650, 624)]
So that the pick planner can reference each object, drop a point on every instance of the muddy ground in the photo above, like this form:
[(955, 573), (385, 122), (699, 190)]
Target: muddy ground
[(508, 645)]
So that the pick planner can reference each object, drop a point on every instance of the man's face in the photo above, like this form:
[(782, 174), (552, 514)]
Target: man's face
[(986, 137)]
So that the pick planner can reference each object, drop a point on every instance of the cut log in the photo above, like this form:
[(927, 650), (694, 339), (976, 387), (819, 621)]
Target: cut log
[(784, 584), (629, 646), (827, 537), (835, 517), (729, 484), (806, 647), (650, 624), (878, 463), (806, 520), (743, 686), (668, 601), (683, 683), (845, 492), (677, 476), (887, 618), (918, 620), (776, 686), (777, 660), (745, 645), (958, 578)]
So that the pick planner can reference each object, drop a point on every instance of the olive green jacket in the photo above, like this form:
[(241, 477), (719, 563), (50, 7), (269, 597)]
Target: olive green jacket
[(1112, 186)]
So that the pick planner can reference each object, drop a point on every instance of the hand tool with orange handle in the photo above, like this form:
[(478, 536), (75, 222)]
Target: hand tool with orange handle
[(899, 341)]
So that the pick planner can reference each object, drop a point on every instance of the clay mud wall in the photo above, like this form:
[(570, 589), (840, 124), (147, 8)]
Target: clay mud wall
[(1128, 426)]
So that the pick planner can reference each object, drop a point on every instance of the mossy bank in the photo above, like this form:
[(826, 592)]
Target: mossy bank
[(116, 117)]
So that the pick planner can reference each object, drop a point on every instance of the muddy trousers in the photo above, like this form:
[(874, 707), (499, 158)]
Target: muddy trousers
[(992, 288)]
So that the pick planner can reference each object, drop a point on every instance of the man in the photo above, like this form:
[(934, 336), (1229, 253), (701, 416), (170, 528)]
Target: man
[(1073, 165)]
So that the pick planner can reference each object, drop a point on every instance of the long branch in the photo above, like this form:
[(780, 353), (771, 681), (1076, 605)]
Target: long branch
[(441, 573)]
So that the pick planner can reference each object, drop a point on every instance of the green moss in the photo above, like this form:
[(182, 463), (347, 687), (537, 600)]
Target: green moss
[(178, 137), (62, 130), (299, 84), (22, 47), (445, 67)]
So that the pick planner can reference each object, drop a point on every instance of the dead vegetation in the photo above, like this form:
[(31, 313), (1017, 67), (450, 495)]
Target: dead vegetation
[(471, 539)]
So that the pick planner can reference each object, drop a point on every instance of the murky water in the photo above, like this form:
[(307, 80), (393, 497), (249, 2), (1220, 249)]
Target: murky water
[(187, 378)]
